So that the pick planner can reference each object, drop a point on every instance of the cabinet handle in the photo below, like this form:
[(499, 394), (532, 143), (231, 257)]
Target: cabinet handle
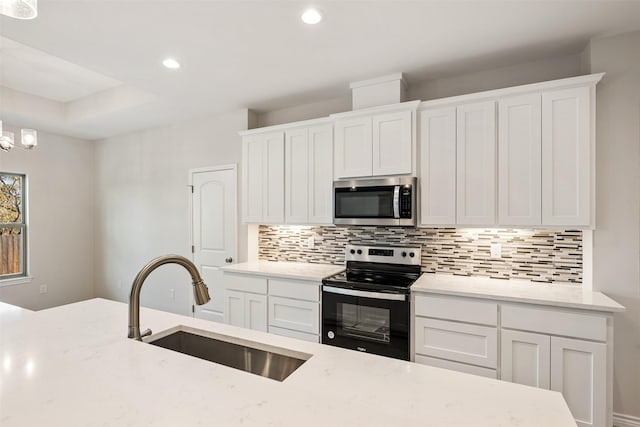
[(228, 260)]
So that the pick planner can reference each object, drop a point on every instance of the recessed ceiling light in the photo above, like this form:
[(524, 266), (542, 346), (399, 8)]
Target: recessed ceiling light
[(171, 63), (311, 16)]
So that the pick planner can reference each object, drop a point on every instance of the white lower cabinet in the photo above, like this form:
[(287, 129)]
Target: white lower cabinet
[(562, 349), (245, 301), (280, 306)]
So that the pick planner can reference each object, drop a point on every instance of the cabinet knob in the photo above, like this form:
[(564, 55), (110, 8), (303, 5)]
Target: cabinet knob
[(228, 260)]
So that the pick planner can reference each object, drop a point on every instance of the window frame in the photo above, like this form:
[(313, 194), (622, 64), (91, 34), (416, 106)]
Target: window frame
[(23, 275)]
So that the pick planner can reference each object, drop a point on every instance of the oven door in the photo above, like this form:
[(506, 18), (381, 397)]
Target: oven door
[(366, 321)]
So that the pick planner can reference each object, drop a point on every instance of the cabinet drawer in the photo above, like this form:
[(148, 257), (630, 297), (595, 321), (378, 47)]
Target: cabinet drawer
[(238, 282), (303, 316), (294, 334), (456, 308), (458, 342), (456, 366), (309, 291), (555, 321)]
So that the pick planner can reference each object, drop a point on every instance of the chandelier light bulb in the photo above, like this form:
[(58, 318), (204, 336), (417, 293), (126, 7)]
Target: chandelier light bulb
[(29, 138), (6, 141)]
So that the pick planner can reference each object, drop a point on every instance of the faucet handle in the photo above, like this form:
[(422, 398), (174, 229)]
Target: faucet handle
[(146, 333)]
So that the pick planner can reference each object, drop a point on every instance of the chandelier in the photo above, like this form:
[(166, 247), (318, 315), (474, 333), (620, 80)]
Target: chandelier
[(28, 139), (21, 9)]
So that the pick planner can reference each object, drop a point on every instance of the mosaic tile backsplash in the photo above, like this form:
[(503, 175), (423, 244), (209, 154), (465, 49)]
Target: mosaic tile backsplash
[(537, 255)]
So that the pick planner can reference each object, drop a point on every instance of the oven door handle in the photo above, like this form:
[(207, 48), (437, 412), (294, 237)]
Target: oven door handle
[(365, 294)]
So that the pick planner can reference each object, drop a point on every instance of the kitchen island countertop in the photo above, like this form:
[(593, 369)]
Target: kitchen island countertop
[(73, 366)]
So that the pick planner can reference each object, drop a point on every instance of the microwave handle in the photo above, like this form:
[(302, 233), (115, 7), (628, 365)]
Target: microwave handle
[(396, 201)]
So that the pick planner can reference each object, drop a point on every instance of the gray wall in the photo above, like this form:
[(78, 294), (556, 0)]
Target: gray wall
[(142, 203), (617, 236), (61, 218)]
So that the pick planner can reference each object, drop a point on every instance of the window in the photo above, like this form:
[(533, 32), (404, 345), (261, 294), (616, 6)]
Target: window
[(13, 226)]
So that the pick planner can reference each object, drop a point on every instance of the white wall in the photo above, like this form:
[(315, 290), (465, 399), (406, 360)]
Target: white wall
[(142, 203), (617, 235), (60, 220)]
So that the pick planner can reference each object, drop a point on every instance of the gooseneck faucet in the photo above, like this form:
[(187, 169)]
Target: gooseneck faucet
[(200, 290)]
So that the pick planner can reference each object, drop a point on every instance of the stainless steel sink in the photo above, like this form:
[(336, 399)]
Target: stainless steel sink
[(260, 359)]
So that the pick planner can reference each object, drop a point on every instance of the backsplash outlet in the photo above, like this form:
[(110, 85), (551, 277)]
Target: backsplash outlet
[(538, 255)]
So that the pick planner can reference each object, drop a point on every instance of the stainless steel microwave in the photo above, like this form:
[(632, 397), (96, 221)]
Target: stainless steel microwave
[(385, 201)]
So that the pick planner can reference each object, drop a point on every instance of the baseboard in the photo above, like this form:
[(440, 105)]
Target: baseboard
[(623, 420)]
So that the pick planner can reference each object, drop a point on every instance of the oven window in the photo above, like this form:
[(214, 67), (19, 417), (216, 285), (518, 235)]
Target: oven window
[(370, 323), (373, 202)]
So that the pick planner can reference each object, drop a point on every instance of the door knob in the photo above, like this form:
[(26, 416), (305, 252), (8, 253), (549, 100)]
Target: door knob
[(228, 260)]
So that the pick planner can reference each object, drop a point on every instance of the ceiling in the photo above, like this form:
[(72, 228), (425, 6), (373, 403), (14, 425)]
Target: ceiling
[(92, 68)]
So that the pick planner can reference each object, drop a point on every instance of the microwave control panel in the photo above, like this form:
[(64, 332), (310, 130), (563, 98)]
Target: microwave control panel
[(405, 201)]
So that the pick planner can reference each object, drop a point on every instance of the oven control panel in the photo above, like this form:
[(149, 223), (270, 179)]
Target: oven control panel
[(387, 254)]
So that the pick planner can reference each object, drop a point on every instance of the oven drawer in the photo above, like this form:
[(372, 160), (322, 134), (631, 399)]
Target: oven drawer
[(458, 342)]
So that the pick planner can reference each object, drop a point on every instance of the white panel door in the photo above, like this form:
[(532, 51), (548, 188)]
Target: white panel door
[(273, 179), (296, 176), (525, 358), (519, 160), (214, 231), (255, 311), (476, 164), (566, 157), (321, 174), (579, 372), (438, 166), (392, 143), (353, 149), (252, 178)]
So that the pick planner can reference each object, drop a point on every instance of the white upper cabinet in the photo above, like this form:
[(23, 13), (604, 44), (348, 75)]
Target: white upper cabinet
[(296, 176), (375, 142), (392, 147), (438, 166), (308, 175), (567, 157), (263, 178), (476, 164), (536, 170), (519, 160), (321, 174), (354, 152)]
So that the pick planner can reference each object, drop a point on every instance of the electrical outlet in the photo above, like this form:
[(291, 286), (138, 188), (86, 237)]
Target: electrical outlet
[(119, 283), (311, 242), (43, 288), (496, 250), (172, 293)]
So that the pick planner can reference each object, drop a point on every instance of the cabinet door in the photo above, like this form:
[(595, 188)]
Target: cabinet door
[(273, 178), (353, 150), (525, 358), (303, 316), (296, 176), (255, 314), (578, 371), (476, 164), (234, 308), (566, 157), (392, 143), (458, 342), (252, 178), (321, 174), (519, 160), (438, 166)]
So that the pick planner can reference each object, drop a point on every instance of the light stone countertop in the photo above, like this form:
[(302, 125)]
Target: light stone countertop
[(73, 366), (524, 291), (286, 270)]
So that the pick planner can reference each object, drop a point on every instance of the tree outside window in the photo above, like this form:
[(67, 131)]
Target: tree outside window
[(13, 226)]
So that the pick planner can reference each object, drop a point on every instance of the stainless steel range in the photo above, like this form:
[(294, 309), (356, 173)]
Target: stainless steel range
[(366, 307)]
